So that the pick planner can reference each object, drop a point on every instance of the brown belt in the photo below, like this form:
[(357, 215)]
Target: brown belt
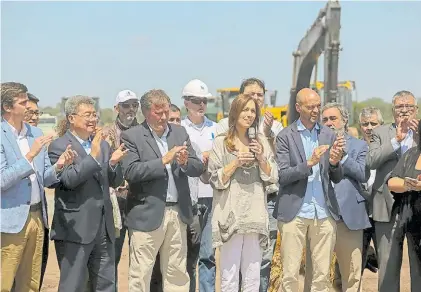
[(35, 207)]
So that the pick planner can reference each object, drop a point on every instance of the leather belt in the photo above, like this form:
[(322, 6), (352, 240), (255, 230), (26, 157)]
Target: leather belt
[(35, 207), (170, 204)]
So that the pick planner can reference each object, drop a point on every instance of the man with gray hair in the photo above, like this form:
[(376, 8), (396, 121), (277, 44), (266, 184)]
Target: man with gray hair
[(388, 144), (83, 226), (369, 119), (159, 207), (353, 218)]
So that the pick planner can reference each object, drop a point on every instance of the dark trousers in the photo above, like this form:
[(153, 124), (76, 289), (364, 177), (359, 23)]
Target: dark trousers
[(193, 247), (44, 255), (369, 256), (98, 257)]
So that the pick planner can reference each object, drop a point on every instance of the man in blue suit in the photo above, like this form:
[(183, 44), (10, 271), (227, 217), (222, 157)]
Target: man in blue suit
[(25, 170), (352, 205)]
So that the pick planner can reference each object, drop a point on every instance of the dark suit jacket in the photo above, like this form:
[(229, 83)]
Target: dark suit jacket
[(383, 158), (294, 173), (349, 191), (148, 177), (82, 195)]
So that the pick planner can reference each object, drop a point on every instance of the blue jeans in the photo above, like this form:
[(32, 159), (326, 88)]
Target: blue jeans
[(206, 253), (268, 253)]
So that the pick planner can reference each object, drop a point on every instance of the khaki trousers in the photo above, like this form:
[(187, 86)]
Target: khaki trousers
[(170, 240), (321, 237), (348, 249), (21, 256)]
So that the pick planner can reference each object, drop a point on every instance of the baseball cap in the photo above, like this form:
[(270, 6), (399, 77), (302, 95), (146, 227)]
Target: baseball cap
[(124, 96), (196, 88)]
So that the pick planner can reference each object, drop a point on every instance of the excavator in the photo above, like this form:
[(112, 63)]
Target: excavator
[(323, 37)]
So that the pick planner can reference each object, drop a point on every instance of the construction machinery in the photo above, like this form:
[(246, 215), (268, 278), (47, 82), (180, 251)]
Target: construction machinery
[(322, 37), (227, 95)]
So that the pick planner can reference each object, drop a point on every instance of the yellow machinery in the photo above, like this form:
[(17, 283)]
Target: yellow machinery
[(226, 96)]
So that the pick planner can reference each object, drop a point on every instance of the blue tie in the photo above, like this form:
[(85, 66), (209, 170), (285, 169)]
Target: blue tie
[(86, 145)]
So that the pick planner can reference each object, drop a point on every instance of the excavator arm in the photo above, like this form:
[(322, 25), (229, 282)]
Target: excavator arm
[(322, 37)]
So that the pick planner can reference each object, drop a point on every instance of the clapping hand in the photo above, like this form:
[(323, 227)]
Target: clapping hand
[(66, 157), (257, 149), (182, 156), (118, 155)]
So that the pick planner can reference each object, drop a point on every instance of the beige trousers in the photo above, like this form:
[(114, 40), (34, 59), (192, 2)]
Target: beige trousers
[(349, 244), (21, 255), (348, 249), (321, 236), (170, 240)]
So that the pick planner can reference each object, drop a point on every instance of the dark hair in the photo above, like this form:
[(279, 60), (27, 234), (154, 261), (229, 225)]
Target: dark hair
[(250, 81), (175, 108), (10, 90), (237, 107), (33, 98)]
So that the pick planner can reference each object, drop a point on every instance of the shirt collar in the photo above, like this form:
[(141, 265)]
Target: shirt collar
[(81, 141), (164, 135), (301, 127), (206, 122), (16, 133)]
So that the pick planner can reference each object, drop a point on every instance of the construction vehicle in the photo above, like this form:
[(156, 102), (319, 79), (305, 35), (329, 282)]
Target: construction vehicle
[(321, 38), (227, 95)]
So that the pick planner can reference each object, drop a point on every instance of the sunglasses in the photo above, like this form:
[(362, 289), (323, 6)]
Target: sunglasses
[(129, 105), (198, 100), (373, 124)]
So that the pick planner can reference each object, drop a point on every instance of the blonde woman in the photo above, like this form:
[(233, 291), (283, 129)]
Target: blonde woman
[(239, 169)]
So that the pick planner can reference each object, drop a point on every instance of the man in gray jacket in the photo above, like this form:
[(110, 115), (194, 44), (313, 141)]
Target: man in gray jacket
[(388, 144), (308, 156)]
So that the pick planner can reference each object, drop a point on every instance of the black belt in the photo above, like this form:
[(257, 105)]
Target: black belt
[(170, 204), (35, 207)]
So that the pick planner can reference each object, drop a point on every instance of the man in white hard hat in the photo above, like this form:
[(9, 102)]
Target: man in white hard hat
[(126, 106), (201, 131)]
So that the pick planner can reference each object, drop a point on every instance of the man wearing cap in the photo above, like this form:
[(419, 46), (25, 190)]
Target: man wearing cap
[(126, 106), (201, 131)]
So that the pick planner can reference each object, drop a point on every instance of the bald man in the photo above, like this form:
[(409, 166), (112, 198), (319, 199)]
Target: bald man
[(308, 156)]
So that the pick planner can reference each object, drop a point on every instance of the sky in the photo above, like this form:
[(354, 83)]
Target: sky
[(99, 48)]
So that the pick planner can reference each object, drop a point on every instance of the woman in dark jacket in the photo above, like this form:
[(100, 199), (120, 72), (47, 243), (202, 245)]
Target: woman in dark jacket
[(405, 185)]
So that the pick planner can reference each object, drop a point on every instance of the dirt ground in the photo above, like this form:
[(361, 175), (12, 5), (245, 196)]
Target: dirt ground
[(52, 274)]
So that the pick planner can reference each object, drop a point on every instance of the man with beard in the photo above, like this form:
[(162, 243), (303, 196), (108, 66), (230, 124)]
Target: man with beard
[(352, 209), (126, 106), (369, 119), (388, 144)]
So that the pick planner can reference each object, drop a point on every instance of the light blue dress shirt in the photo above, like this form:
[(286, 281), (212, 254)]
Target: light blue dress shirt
[(314, 205)]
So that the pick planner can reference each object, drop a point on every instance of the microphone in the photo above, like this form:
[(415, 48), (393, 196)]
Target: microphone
[(252, 136)]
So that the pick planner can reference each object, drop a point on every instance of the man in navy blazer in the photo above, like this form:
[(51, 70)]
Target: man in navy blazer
[(352, 205), (25, 171)]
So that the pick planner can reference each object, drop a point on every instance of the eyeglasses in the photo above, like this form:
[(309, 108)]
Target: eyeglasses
[(331, 118), (366, 124), (88, 116), (32, 113), (134, 105), (196, 100), (401, 107)]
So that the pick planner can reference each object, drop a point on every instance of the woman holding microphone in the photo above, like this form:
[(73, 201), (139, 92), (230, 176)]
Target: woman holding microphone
[(241, 164)]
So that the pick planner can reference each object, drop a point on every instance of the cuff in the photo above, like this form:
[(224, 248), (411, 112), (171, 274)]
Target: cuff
[(395, 144), (344, 159)]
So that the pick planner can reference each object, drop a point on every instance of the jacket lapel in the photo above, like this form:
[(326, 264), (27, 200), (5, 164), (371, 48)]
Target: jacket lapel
[(11, 138), (151, 140), (76, 145), (297, 140)]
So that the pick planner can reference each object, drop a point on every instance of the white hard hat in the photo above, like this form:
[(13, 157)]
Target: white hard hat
[(125, 95), (196, 88)]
